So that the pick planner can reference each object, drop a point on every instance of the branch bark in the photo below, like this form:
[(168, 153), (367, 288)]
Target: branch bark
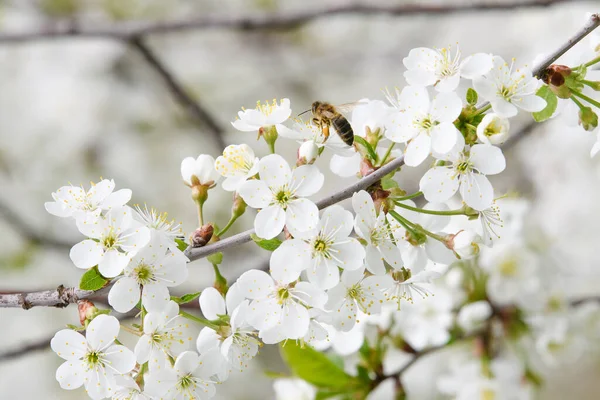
[(192, 106), (60, 297), (283, 20)]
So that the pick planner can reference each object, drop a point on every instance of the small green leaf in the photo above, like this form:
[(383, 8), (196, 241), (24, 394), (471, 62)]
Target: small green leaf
[(186, 298), (388, 182), (372, 153), (181, 244), (326, 394), (552, 101), (472, 96), (270, 244), (92, 280), (315, 368), (216, 258)]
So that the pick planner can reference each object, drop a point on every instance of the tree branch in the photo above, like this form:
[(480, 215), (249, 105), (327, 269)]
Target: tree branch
[(283, 20), (191, 106), (59, 297)]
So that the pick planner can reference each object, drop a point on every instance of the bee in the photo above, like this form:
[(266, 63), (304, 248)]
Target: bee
[(326, 115)]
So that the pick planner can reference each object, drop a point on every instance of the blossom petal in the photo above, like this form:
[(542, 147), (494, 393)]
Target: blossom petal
[(124, 295), (484, 87), (186, 363), (294, 320), (274, 171), (415, 99), (70, 374), (306, 180), (417, 150), (444, 137), (532, 103), (310, 294), (155, 296), (86, 254), (255, 284), (102, 331), (112, 263), (212, 304), (503, 108), (487, 159), (477, 191), (374, 260), (439, 184), (301, 215), (476, 65), (119, 358), (337, 221), (117, 199), (349, 254), (69, 344), (345, 166), (391, 254), (289, 260), (365, 212), (100, 191), (143, 348), (324, 274), (448, 84), (256, 193), (269, 222), (446, 107)]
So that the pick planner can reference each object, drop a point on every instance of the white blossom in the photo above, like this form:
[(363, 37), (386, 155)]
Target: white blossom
[(293, 389), (280, 194), (264, 115), (117, 239), (128, 389), (92, 361), (199, 171), (493, 129), (237, 165)]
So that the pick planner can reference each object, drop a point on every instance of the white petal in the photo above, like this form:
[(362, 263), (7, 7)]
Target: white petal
[(112, 263), (255, 284), (391, 254), (337, 221), (187, 363), (102, 331), (133, 240), (415, 99), (419, 77), (417, 150), (307, 180), (477, 191), (302, 215), (345, 315), (155, 296), (484, 87), (256, 193), (439, 184), (124, 295), (69, 344), (234, 297), (117, 199), (294, 321), (86, 254), (98, 382), (119, 358), (374, 261), (531, 103), (446, 107), (188, 166), (345, 166), (289, 260), (207, 340), (503, 108), (269, 222), (212, 304), (274, 170), (487, 159), (350, 254), (448, 84), (364, 208), (324, 275), (58, 209), (444, 137), (310, 294), (100, 191), (70, 374), (143, 348), (476, 65)]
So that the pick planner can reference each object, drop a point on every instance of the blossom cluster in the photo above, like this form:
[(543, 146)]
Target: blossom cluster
[(355, 280)]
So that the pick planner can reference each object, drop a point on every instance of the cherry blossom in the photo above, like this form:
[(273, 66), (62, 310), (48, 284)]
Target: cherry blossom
[(441, 69), (92, 361), (237, 164), (115, 239), (280, 194), (373, 228), (493, 129), (423, 124), (264, 115), (74, 201), (199, 171), (321, 251)]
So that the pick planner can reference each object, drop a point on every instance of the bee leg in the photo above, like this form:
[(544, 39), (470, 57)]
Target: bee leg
[(325, 130)]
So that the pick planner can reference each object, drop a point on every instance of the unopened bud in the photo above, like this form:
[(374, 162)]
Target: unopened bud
[(465, 244), (307, 153), (202, 235), (87, 311), (493, 129), (588, 119), (397, 192), (239, 206), (556, 76), (366, 168), (380, 199)]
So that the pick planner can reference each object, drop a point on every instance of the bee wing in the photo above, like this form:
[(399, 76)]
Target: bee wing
[(347, 107)]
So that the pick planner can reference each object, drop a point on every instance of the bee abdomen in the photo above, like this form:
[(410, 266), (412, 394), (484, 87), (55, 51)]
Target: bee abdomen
[(344, 129)]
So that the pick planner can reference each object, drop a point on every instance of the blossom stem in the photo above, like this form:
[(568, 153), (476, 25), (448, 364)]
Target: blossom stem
[(414, 228), (460, 211), (200, 214), (579, 104), (408, 197), (482, 109), (586, 98), (271, 146), (387, 154), (592, 62), (229, 224), (132, 331), (200, 320)]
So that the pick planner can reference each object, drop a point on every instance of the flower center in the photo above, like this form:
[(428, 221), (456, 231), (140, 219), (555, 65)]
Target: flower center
[(509, 268), (464, 166), (446, 65), (487, 394), (426, 123), (355, 292), (401, 276), (157, 338), (109, 241), (93, 359), (267, 108), (283, 294), (186, 381), (283, 197), (143, 274)]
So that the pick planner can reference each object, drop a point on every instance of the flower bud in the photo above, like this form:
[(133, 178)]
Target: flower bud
[(493, 129), (307, 153), (380, 199), (556, 76), (239, 206), (202, 235), (588, 119), (87, 311), (465, 244)]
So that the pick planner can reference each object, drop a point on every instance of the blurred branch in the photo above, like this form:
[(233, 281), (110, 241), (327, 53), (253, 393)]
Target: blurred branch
[(282, 20), (28, 232), (191, 106), (59, 297)]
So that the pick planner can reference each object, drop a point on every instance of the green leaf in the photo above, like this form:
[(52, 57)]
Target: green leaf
[(315, 368), (366, 145), (552, 101), (181, 244), (186, 298), (92, 280), (326, 394), (388, 182), (271, 244), (216, 258), (472, 96)]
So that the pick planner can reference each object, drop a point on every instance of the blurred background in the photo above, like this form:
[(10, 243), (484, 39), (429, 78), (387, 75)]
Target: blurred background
[(75, 109)]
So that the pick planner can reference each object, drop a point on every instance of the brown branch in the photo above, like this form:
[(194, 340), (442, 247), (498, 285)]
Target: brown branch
[(60, 297), (282, 20), (192, 106)]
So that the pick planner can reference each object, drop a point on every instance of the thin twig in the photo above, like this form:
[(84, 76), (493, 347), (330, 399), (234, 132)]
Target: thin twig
[(59, 297), (282, 20), (28, 232), (192, 106)]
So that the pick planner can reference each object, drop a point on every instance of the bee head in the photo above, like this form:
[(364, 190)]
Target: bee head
[(315, 106)]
